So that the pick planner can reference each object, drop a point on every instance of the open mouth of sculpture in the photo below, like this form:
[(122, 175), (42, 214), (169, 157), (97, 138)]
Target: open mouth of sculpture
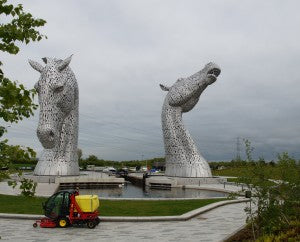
[(215, 72)]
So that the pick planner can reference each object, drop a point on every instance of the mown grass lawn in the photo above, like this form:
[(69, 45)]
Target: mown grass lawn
[(232, 171), (27, 205), (271, 172), (233, 179), (151, 208)]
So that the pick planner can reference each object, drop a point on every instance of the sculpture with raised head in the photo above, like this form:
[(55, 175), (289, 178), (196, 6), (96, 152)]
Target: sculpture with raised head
[(58, 118), (182, 156)]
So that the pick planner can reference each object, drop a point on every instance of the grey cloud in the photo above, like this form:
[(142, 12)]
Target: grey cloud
[(124, 49)]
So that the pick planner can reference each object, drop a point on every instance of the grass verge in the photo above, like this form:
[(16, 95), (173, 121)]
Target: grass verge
[(151, 208), (29, 205), (233, 179), (271, 172)]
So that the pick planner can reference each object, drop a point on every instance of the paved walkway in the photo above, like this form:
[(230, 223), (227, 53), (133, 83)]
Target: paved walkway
[(42, 189), (214, 225), (230, 187)]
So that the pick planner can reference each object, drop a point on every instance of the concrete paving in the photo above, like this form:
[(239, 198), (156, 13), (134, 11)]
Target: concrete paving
[(228, 187), (42, 189), (47, 189), (214, 225)]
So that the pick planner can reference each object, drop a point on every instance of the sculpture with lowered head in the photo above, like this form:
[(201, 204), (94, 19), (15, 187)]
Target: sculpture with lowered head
[(58, 118)]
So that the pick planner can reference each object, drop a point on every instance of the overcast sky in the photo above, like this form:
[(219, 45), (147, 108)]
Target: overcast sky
[(124, 49)]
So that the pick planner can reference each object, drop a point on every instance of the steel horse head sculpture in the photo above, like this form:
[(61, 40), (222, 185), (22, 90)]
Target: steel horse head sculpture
[(58, 119), (182, 157)]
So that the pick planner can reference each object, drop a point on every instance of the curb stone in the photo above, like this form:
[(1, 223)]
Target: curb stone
[(183, 217), (157, 198)]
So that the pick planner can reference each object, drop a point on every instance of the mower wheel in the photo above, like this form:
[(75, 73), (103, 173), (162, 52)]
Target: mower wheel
[(63, 222), (91, 224), (34, 225), (97, 221)]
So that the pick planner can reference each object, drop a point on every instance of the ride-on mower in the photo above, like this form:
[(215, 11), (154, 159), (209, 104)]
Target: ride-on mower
[(66, 208)]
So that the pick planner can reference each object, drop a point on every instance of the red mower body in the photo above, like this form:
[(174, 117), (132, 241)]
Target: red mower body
[(62, 210)]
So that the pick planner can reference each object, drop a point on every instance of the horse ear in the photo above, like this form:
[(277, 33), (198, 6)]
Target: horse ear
[(64, 64), (35, 65), (45, 60), (164, 88)]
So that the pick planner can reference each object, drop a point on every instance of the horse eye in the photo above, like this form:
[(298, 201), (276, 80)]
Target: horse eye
[(59, 89)]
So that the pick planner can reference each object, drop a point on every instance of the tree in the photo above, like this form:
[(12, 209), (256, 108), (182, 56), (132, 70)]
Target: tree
[(16, 102), (79, 154)]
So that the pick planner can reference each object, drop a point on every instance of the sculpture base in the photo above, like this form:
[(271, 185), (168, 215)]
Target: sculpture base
[(51, 164), (198, 168), (56, 168), (85, 178)]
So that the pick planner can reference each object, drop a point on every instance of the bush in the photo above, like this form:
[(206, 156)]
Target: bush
[(277, 203), (290, 234)]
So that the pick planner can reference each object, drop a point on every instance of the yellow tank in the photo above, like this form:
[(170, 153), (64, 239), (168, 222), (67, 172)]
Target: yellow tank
[(87, 203)]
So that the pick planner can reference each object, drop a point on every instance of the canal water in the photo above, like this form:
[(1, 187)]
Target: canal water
[(132, 191)]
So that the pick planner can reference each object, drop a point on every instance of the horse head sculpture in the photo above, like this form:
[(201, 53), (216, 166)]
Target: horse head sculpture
[(58, 118), (182, 157)]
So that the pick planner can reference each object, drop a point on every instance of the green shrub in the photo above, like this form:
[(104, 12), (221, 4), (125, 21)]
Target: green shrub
[(292, 234), (277, 204)]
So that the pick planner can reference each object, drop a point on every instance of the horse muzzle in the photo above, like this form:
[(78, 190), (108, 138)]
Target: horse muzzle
[(46, 136)]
